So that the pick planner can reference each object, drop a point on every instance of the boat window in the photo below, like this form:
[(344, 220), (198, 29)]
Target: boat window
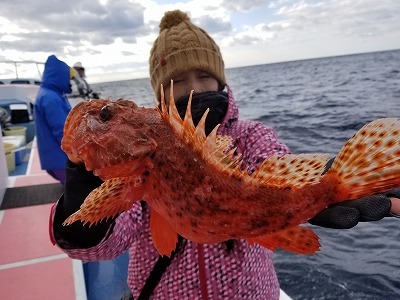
[(38, 82), (20, 82)]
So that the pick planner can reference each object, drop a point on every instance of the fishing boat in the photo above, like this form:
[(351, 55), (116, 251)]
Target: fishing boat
[(30, 266), (19, 85), (19, 82)]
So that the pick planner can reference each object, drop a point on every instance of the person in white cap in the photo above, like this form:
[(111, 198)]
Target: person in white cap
[(80, 87)]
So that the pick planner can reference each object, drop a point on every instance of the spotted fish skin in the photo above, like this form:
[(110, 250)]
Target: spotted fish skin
[(196, 187)]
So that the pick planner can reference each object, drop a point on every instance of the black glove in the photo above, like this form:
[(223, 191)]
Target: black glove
[(95, 95), (78, 185), (347, 214)]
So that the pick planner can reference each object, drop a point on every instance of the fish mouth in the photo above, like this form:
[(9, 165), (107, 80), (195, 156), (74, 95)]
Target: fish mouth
[(115, 159), (120, 170)]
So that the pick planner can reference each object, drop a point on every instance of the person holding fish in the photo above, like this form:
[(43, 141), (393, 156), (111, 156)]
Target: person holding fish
[(232, 268)]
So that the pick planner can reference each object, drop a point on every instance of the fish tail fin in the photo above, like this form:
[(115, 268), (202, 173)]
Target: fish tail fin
[(297, 239), (369, 162), (112, 197)]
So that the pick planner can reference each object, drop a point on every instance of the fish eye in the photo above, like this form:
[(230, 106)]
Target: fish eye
[(106, 113)]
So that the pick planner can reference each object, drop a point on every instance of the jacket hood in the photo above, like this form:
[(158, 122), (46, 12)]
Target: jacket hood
[(232, 113), (56, 75)]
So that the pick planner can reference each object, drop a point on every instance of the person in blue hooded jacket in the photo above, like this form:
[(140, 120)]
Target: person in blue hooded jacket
[(51, 110)]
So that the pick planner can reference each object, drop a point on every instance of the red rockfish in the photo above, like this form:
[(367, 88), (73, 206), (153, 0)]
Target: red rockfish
[(196, 187)]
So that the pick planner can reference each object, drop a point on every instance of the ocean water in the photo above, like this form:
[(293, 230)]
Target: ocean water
[(315, 106)]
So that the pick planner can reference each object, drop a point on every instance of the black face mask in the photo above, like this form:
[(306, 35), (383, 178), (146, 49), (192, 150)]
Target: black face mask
[(217, 102)]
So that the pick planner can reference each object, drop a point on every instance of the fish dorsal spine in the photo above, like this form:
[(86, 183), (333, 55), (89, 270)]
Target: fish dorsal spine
[(217, 151)]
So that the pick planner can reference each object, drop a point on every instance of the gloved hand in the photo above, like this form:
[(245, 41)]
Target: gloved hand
[(347, 214), (95, 95), (79, 184)]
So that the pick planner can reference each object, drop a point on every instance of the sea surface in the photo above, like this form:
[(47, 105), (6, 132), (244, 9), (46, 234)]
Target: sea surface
[(315, 106)]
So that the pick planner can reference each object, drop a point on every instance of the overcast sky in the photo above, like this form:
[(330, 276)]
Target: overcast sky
[(113, 38)]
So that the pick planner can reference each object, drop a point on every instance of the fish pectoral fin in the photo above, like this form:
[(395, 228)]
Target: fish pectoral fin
[(112, 197), (164, 237), (298, 239)]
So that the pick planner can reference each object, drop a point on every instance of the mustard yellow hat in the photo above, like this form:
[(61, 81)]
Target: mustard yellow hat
[(182, 46)]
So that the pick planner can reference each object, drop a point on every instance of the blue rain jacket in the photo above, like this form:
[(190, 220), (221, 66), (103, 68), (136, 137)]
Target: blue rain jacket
[(51, 110)]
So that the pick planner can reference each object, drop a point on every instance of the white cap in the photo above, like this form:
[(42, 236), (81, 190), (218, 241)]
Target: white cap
[(78, 65)]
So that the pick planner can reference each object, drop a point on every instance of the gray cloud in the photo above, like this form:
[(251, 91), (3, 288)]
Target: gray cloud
[(242, 5), (57, 24), (246, 40), (213, 25), (127, 53), (39, 41), (358, 21)]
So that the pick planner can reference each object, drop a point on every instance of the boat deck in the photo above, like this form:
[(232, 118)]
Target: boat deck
[(30, 266)]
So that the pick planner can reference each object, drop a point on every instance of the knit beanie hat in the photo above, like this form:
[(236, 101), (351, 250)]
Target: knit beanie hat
[(182, 46)]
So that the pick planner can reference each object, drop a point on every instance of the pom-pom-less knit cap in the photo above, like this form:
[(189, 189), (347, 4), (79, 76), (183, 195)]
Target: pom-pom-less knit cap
[(182, 46)]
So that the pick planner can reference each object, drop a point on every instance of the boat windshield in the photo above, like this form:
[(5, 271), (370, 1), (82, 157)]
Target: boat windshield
[(18, 71)]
